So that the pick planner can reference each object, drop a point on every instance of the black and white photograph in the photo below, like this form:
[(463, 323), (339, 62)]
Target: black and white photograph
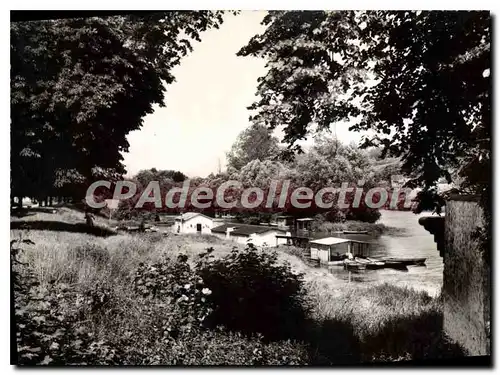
[(251, 188)]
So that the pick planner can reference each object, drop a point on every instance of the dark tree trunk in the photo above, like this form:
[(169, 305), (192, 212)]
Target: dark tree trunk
[(50, 201)]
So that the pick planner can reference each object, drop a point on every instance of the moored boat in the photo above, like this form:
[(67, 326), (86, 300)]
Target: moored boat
[(361, 260), (370, 263), (375, 265), (395, 264), (352, 265), (355, 232), (406, 261)]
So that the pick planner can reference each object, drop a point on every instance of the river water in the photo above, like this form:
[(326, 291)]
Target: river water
[(413, 241)]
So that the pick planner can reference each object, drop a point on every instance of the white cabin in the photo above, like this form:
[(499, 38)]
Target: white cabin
[(259, 235), (193, 222)]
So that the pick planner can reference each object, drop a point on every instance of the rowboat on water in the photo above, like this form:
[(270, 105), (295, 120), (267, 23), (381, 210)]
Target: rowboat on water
[(371, 264), (352, 265), (395, 264), (407, 261), (355, 232)]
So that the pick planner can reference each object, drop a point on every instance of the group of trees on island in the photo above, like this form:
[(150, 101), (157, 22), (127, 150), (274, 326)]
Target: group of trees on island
[(327, 163)]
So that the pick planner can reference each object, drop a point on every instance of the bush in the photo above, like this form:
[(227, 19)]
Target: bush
[(335, 215), (301, 253), (177, 302), (362, 213), (220, 347), (175, 283), (253, 293)]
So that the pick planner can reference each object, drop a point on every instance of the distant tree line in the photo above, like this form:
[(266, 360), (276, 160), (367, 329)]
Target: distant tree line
[(327, 163)]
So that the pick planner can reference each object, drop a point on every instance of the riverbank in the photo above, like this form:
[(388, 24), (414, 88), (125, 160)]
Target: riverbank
[(345, 323)]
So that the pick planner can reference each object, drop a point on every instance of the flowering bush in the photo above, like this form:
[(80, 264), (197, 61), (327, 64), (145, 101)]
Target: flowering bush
[(175, 283), (254, 293)]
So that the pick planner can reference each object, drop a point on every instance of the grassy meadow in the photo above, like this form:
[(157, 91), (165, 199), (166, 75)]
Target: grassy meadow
[(344, 323)]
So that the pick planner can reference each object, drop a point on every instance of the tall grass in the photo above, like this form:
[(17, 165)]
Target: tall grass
[(346, 323)]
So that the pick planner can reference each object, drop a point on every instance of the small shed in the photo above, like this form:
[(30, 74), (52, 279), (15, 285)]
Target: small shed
[(303, 224), (284, 221), (193, 222), (332, 248)]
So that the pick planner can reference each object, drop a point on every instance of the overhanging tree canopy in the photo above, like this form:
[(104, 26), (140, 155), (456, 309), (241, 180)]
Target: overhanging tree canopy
[(418, 79), (79, 86)]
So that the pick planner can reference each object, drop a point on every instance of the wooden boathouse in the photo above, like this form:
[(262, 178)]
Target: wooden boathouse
[(332, 248)]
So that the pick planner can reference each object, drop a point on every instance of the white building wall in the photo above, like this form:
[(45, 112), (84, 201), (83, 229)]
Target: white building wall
[(324, 255), (267, 239), (243, 240), (190, 225), (281, 241), (238, 239), (314, 253), (219, 235)]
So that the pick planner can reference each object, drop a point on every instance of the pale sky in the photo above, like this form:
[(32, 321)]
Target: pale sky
[(206, 106)]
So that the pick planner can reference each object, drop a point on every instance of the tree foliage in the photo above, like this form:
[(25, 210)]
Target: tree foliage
[(144, 177), (254, 143), (329, 163), (79, 86), (259, 173), (418, 79), (253, 293)]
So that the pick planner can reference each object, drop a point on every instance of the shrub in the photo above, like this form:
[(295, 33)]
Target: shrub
[(175, 283), (335, 215), (362, 213), (253, 293), (219, 347), (158, 319), (174, 304), (301, 253)]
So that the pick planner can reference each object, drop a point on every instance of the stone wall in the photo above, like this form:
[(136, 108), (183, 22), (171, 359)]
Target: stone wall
[(466, 281)]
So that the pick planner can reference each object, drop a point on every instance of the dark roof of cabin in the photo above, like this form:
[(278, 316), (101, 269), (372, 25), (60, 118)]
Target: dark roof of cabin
[(245, 229)]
